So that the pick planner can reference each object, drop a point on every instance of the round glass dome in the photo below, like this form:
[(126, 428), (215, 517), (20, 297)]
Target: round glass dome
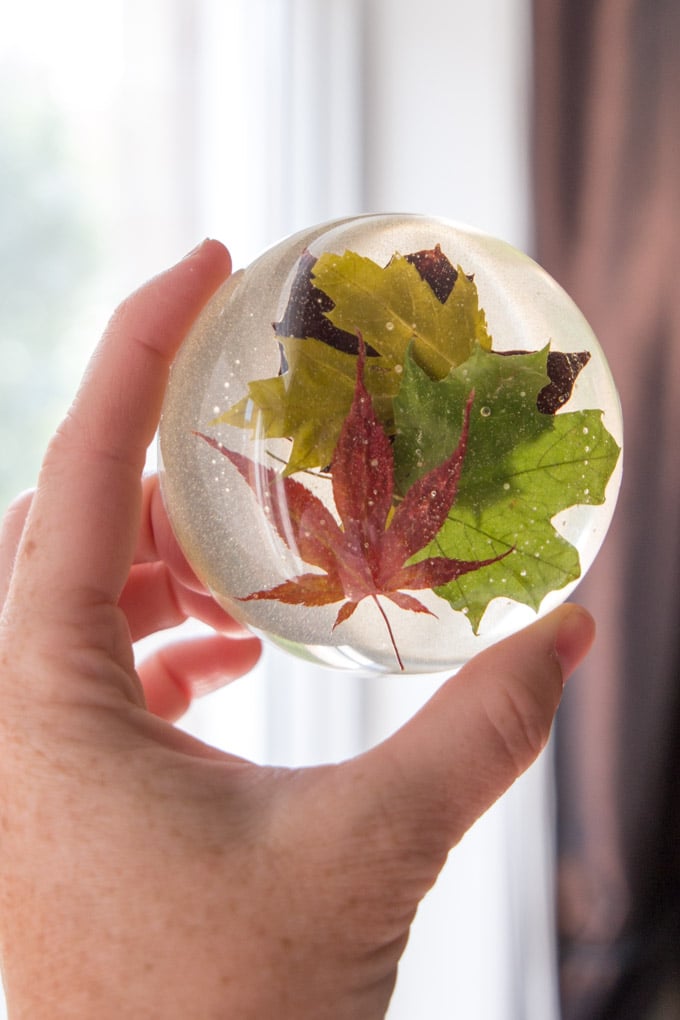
[(390, 442)]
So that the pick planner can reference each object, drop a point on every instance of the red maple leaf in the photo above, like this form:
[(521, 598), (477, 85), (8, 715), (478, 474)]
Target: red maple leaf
[(367, 553)]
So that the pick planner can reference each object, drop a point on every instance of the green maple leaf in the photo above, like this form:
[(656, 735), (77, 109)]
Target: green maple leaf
[(392, 307), (427, 412), (522, 468)]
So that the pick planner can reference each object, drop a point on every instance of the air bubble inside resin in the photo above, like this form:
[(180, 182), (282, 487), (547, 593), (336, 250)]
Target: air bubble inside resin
[(390, 442)]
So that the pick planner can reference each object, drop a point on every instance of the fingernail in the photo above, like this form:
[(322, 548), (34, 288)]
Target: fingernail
[(194, 251), (575, 635)]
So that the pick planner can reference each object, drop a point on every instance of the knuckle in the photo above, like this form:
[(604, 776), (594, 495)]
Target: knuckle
[(520, 722)]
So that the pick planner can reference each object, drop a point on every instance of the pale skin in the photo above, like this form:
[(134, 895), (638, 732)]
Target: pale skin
[(145, 874)]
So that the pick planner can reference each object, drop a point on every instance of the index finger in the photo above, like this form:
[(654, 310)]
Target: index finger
[(81, 532)]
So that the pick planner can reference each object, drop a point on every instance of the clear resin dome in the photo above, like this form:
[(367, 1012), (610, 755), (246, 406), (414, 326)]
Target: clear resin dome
[(390, 442)]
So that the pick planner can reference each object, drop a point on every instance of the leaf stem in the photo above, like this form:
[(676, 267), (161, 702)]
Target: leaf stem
[(324, 475), (389, 631)]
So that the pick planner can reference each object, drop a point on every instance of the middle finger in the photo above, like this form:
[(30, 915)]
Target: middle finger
[(153, 599)]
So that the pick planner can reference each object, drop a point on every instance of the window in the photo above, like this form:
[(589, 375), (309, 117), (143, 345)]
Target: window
[(129, 131)]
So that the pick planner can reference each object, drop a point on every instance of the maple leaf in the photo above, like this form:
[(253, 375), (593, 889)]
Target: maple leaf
[(522, 468), (418, 302), (308, 307), (418, 299), (367, 554), (395, 307)]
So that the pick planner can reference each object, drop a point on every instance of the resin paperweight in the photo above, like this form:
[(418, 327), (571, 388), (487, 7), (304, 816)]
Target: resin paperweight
[(390, 442)]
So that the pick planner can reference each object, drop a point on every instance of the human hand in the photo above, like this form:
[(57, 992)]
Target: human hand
[(143, 873)]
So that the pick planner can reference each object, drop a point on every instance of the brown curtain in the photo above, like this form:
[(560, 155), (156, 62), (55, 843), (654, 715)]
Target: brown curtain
[(607, 214)]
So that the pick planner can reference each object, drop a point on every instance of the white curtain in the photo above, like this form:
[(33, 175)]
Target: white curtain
[(247, 120)]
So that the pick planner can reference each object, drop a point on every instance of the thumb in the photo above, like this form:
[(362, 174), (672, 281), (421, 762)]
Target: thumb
[(479, 732)]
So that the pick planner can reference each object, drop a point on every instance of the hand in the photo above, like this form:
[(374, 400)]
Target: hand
[(143, 873)]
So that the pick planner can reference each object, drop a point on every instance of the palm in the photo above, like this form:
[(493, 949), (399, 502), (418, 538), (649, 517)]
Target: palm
[(203, 858)]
